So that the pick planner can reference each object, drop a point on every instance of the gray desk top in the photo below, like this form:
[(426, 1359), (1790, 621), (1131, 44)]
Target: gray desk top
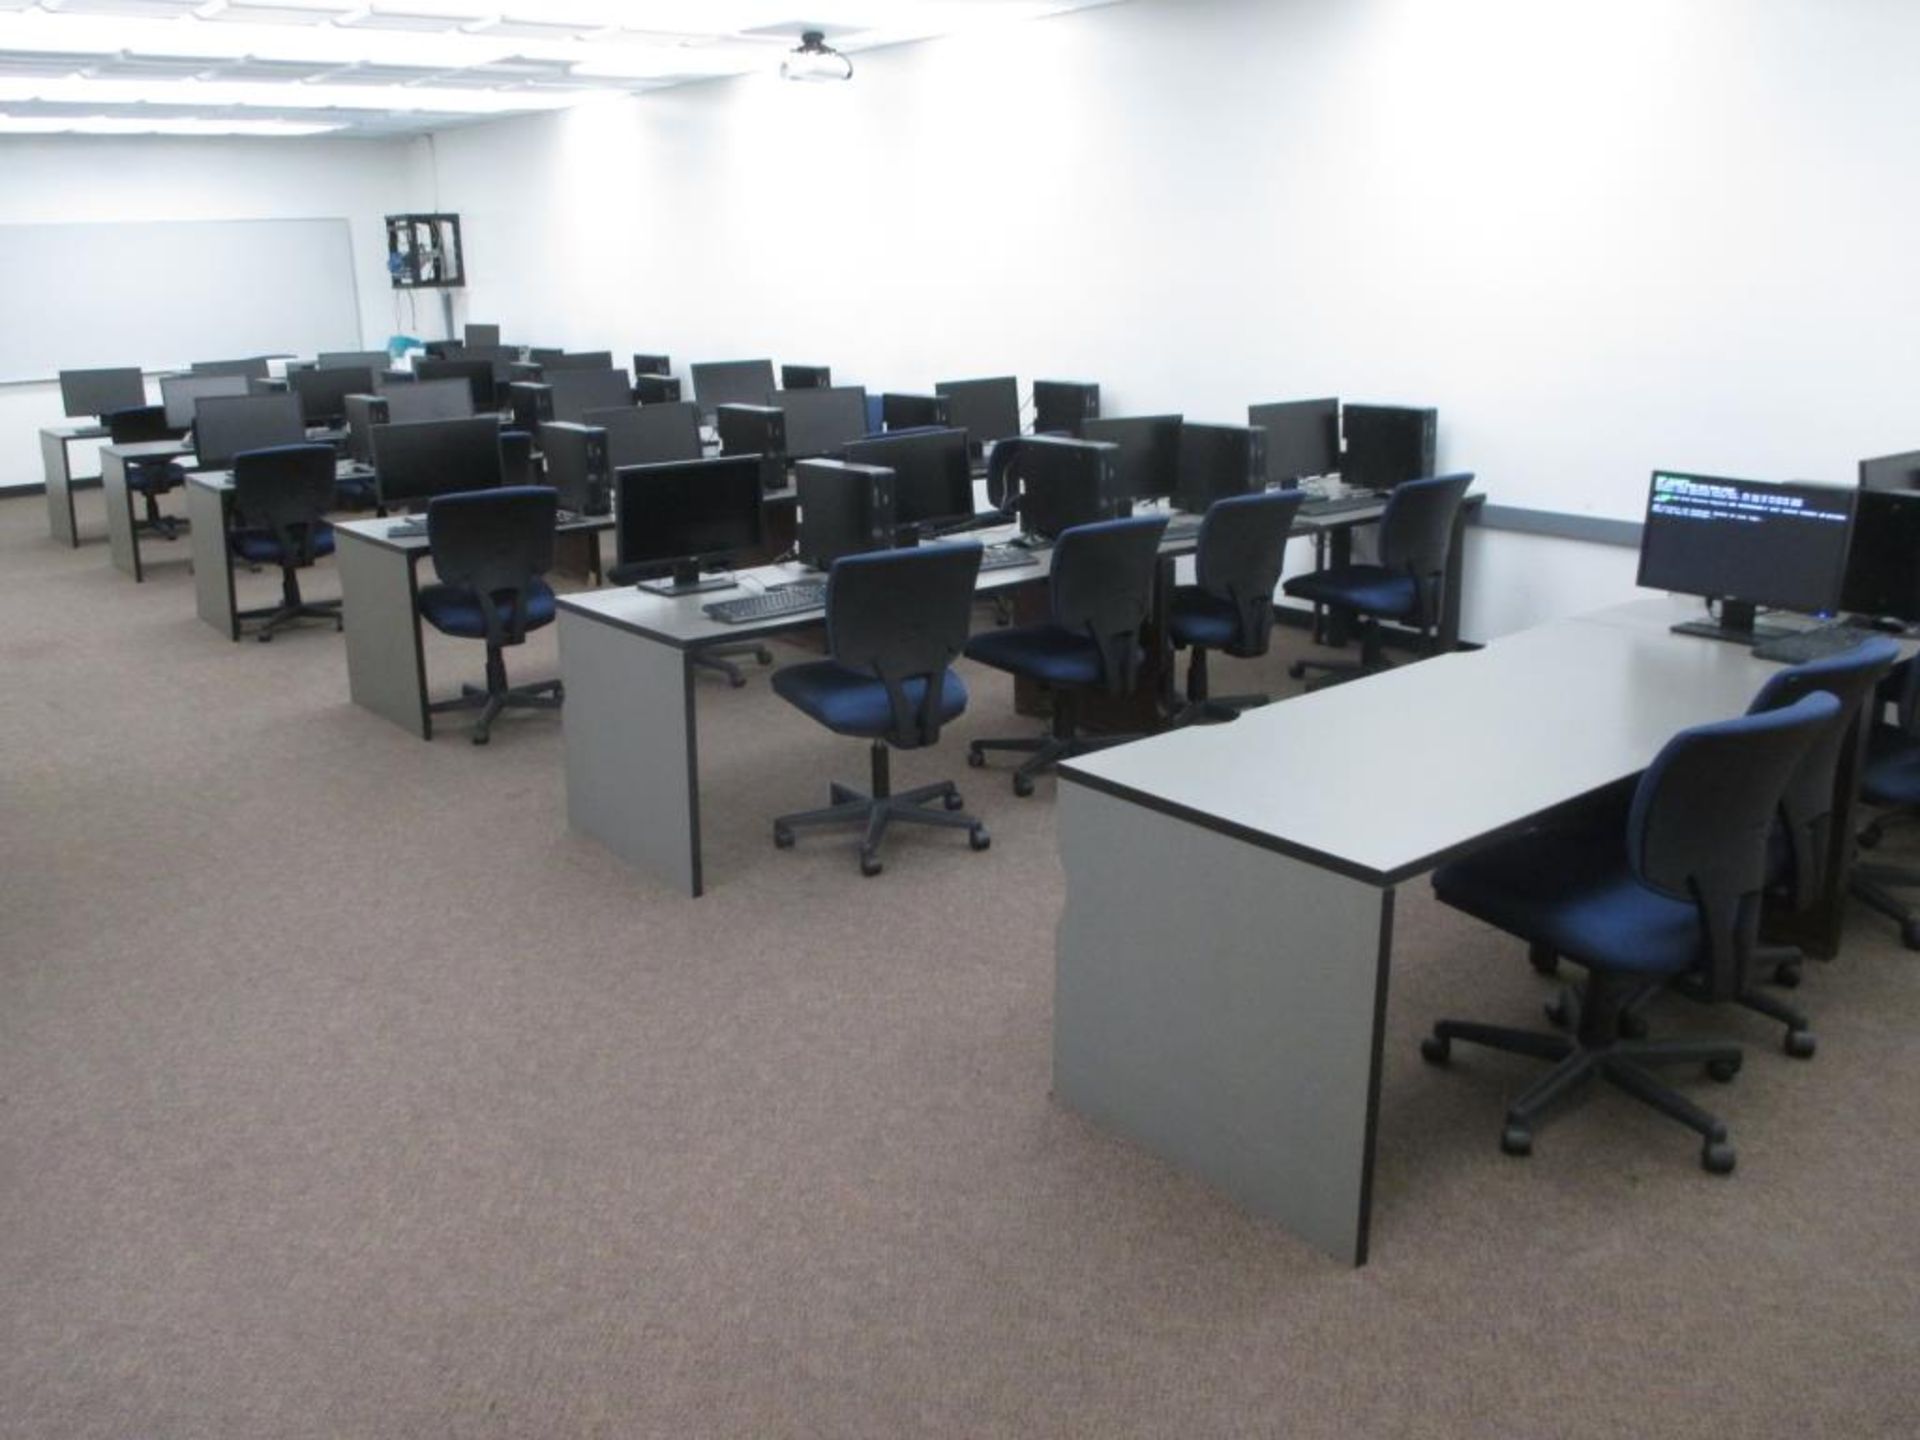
[(75, 430), (223, 479), (1384, 778)]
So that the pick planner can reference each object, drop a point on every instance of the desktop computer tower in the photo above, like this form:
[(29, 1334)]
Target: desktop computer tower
[(1217, 461), (844, 510), (1060, 406), (363, 413), (532, 405), (913, 412), (805, 377), (656, 389), (651, 365), (1064, 482), (578, 466), (1387, 444), (756, 430), (531, 372)]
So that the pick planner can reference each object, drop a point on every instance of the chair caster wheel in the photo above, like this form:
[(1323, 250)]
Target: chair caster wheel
[(1436, 1050), (481, 737), (1297, 670), (737, 681), (1910, 934), (978, 837), (763, 655), (1557, 1014), (559, 694), (1787, 974), (953, 801), (1633, 1025), (1023, 785), (1723, 1070), (976, 759), (1517, 1140), (782, 838), (870, 864), (1717, 1157), (1544, 962), (1801, 1044), (1870, 836)]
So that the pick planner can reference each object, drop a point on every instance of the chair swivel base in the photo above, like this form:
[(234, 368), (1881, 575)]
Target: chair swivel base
[(715, 658), (881, 809), (498, 696), (1800, 1041), (1874, 886), (1045, 752), (1216, 709), (274, 618)]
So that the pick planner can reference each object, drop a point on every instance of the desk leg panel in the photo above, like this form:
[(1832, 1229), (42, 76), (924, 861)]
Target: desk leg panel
[(53, 464), (632, 767), (122, 542), (1220, 1004), (212, 560), (386, 670)]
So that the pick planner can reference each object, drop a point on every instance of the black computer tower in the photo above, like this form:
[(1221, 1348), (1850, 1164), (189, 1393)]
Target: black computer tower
[(363, 413), (844, 510), (913, 412), (805, 377), (651, 365), (1061, 406), (1387, 444), (532, 405), (1217, 461), (751, 429), (1064, 482), (531, 372), (578, 466)]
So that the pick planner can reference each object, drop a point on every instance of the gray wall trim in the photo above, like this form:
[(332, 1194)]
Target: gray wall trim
[(1560, 525)]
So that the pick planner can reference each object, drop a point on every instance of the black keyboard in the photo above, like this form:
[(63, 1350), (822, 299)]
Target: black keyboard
[(1815, 644), (1006, 557), (407, 530), (1182, 527), (768, 604), (1340, 505)]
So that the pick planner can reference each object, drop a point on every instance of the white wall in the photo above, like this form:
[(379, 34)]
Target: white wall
[(81, 178)]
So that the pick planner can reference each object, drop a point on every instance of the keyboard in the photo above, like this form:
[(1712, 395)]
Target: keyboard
[(1182, 527), (769, 604), (1815, 644), (1338, 505), (1006, 557), (407, 530)]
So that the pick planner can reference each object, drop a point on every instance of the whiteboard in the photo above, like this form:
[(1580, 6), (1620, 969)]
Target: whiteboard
[(159, 294)]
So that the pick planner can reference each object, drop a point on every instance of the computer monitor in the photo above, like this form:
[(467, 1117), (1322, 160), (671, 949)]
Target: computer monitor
[(1064, 482), (687, 514), (349, 360), (1746, 543), (577, 391), (323, 393), (1217, 462), (932, 475), (988, 410), (822, 422), (181, 393), (1883, 558), (473, 335), (731, 382), (1303, 439), (414, 462), (253, 365), (805, 377), (912, 412), (228, 425), (101, 392), (477, 372), (1149, 457), (1888, 472), (648, 435), (450, 399), (581, 360), (1387, 444), (1061, 407)]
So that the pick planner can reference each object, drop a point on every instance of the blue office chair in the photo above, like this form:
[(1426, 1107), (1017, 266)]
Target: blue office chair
[(1243, 542), (1409, 583), (1101, 588), (896, 622), (1681, 896), (153, 477), (490, 549), (1890, 781), (280, 501)]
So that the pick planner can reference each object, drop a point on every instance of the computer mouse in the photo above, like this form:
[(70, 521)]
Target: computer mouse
[(1889, 624)]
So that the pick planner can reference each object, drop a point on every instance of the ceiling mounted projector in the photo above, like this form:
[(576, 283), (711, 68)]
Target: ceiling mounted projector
[(814, 59)]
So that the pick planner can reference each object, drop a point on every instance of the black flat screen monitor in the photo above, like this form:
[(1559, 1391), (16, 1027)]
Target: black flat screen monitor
[(478, 372), (1387, 445), (429, 400), (821, 422), (679, 516), (228, 425), (577, 391), (414, 462), (731, 382), (101, 392), (472, 336), (1746, 543), (579, 360), (254, 367), (988, 410), (1888, 472), (1303, 439), (912, 412), (1883, 559), (1149, 457), (349, 360), (323, 393), (648, 435), (932, 475), (181, 393)]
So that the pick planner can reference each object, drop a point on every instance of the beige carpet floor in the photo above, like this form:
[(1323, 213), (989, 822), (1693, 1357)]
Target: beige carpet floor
[(343, 1092)]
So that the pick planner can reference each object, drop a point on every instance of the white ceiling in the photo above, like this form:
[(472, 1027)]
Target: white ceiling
[(395, 67)]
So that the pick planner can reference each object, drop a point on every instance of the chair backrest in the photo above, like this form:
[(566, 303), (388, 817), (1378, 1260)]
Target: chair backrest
[(495, 544), (285, 490), (1701, 815), (1416, 534), (1102, 588), (1806, 808), (139, 425), (1243, 542), (904, 615)]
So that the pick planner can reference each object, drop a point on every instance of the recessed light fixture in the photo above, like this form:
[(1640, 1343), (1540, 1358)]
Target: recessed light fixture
[(815, 60)]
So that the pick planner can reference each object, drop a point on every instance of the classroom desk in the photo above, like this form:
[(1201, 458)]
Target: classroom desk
[(123, 523), (210, 517), (1221, 966), (56, 462), (379, 592)]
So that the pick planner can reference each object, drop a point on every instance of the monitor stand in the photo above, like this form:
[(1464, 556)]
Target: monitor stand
[(686, 580), (1736, 625)]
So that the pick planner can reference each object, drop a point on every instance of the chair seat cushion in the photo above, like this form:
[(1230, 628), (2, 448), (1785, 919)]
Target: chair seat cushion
[(1370, 589), (150, 477), (262, 548), (1891, 775), (1196, 618), (1046, 653), (852, 702), (1570, 888), (454, 610)]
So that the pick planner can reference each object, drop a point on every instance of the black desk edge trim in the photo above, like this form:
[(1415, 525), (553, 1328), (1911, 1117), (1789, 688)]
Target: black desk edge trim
[(1558, 525)]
